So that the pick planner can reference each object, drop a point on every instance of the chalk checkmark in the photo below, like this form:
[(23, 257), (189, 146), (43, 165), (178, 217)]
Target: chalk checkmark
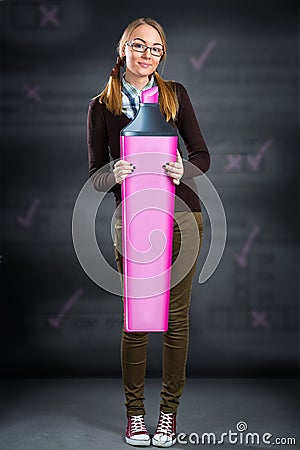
[(56, 321), (242, 257), (254, 161), (198, 62), (26, 220)]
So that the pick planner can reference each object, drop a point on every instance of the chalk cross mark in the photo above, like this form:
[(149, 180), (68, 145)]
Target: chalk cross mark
[(49, 16), (259, 319), (32, 92), (234, 163)]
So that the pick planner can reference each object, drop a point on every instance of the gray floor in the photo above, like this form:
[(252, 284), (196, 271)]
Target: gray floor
[(44, 414)]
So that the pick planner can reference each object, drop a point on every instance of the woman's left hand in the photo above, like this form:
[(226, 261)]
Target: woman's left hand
[(175, 169)]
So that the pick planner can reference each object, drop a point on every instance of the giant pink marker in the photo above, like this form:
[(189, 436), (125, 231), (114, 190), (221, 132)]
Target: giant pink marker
[(147, 217)]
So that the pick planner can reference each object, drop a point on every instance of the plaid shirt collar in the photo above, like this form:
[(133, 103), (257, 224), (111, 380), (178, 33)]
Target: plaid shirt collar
[(131, 97)]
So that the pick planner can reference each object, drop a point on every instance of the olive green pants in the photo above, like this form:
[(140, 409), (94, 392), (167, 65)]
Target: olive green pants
[(187, 239)]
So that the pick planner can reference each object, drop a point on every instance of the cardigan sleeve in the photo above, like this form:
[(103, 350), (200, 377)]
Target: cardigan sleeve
[(191, 134), (98, 149)]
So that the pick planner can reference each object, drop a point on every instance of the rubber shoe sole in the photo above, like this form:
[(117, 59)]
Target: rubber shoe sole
[(138, 442)]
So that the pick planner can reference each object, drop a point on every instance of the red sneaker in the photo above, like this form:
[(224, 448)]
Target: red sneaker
[(136, 431), (165, 433)]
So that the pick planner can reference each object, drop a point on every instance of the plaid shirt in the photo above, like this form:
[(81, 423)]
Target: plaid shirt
[(131, 97)]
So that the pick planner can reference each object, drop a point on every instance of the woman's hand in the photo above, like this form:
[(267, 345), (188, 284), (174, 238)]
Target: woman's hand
[(175, 169), (122, 169)]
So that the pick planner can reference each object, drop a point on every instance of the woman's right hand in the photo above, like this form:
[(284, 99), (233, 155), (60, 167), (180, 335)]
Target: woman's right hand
[(122, 169)]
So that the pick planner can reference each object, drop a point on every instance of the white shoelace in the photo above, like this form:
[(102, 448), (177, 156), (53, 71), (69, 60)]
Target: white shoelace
[(137, 424), (165, 424)]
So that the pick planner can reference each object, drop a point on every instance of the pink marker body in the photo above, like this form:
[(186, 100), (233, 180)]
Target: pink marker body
[(147, 217)]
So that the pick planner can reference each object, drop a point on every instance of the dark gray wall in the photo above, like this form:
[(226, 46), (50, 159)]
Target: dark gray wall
[(239, 62)]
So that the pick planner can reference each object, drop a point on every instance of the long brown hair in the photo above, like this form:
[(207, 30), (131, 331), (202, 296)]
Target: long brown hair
[(111, 95)]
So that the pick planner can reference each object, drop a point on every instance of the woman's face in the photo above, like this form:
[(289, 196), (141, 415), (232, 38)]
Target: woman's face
[(141, 65)]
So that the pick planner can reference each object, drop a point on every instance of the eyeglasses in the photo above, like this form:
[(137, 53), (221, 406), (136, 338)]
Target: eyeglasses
[(155, 51)]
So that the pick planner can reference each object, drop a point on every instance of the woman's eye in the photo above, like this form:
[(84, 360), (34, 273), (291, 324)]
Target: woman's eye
[(139, 46)]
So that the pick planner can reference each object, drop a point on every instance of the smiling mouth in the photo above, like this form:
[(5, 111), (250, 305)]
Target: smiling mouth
[(144, 64)]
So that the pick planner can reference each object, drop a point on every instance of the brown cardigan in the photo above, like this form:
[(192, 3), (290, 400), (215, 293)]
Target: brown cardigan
[(103, 141)]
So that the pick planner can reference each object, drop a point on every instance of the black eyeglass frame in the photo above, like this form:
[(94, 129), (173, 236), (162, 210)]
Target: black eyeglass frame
[(145, 48)]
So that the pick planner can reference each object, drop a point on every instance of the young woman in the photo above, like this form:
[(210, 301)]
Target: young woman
[(141, 49)]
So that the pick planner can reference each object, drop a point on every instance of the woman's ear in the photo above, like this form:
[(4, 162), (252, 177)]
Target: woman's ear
[(122, 52)]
